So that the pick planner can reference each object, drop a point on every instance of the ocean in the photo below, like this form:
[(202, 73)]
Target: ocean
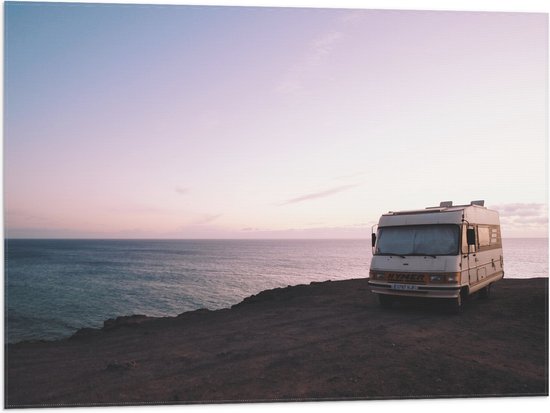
[(55, 287)]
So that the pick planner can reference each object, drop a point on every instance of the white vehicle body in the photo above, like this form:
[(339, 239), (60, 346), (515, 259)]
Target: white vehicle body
[(440, 252)]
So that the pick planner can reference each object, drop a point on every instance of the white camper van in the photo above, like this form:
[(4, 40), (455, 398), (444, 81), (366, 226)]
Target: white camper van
[(445, 252)]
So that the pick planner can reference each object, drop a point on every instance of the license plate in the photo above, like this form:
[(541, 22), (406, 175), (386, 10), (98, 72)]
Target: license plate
[(406, 287)]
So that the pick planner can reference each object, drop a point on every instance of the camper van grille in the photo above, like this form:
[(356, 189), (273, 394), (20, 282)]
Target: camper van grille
[(406, 277)]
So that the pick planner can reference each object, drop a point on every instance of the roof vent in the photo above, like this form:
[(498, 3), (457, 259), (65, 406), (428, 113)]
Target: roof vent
[(446, 204), (478, 203)]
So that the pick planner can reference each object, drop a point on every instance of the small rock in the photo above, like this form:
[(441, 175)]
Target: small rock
[(124, 321), (118, 366), (83, 333)]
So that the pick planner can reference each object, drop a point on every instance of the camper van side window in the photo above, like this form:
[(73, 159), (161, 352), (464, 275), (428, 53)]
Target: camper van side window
[(483, 237), (489, 237), (495, 236), (465, 247)]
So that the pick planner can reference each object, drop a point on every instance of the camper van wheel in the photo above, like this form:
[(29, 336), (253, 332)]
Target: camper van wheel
[(456, 304), (385, 300), (485, 292)]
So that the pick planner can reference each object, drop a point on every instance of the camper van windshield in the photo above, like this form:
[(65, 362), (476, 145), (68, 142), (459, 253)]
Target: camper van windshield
[(418, 240)]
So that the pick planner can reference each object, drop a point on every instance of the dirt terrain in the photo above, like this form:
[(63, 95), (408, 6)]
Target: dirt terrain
[(323, 341)]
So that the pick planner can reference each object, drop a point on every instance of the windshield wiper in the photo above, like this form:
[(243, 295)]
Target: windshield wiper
[(429, 255)]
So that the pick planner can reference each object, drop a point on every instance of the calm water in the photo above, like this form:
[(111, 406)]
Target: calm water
[(54, 287)]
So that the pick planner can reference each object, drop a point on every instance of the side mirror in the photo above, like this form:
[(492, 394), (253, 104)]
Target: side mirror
[(373, 239), (471, 236)]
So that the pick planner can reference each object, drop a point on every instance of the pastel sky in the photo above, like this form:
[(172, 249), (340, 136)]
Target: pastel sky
[(135, 121)]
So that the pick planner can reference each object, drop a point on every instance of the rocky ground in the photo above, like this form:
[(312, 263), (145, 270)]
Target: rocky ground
[(323, 341)]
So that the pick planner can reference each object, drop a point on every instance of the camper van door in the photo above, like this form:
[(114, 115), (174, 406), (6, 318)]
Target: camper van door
[(472, 260)]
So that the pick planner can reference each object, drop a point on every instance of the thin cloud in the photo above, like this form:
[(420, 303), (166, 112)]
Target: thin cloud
[(323, 46), (137, 209), (21, 216), (180, 190), (318, 53), (317, 195), (523, 216), (206, 219), (352, 175), (328, 232), (352, 17), (519, 209), (250, 229)]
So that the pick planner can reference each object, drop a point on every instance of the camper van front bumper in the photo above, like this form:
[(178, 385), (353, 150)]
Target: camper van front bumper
[(415, 290)]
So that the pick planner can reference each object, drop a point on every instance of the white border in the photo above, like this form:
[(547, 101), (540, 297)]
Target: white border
[(524, 404)]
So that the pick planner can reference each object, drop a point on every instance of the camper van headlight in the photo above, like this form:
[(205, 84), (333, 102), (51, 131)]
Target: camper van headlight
[(453, 278), (376, 275), (436, 278)]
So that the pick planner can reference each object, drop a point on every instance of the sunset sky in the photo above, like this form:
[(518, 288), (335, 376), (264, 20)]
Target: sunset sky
[(134, 121)]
